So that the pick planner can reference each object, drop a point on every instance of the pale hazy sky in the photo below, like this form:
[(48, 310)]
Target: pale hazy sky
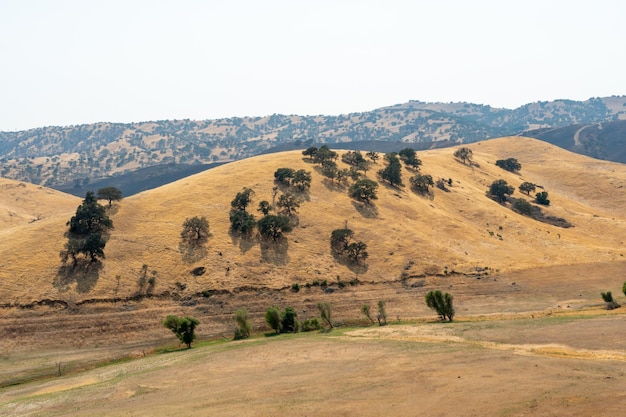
[(70, 62)]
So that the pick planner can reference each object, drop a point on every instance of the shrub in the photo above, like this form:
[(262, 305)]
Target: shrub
[(183, 327), (290, 322), (365, 309), (273, 319), (441, 303), (382, 313), (542, 198), (611, 304), (310, 325), (326, 313), (295, 287), (244, 328)]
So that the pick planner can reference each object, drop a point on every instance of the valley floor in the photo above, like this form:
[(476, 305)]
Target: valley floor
[(533, 342)]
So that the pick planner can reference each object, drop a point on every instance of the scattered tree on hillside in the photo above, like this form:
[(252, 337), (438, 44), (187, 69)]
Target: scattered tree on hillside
[(273, 227), (410, 159), (310, 151), (356, 251), (339, 239), (242, 222), (542, 198), (373, 156), (527, 187), (464, 154), (244, 328), (341, 245), (88, 231), (288, 203), (284, 175), (329, 170), (364, 190), (301, 180), (242, 199), (324, 154), (183, 327), (392, 173), (509, 164), (500, 190), (421, 182), (441, 303), (264, 207), (195, 230), (110, 194), (343, 175), (354, 158), (326, 311)]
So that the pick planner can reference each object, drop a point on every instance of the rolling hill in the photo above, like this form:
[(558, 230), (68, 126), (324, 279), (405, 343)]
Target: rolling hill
[(409, 236), (526, 292)]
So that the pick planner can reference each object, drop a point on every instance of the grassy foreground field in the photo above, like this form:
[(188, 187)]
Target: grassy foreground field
[(494, 367)]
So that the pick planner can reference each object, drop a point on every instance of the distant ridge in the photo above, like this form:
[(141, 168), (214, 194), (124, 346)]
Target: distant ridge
[(62, 156)]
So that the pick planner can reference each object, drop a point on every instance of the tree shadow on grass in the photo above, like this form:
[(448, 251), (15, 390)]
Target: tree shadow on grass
[(333, 185), (244, 242), (275, 251), (358, 268), (192, 253), (84, 273), (369, 211)]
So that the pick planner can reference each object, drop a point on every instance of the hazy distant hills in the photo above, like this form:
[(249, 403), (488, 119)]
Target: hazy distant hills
[(74, 157)]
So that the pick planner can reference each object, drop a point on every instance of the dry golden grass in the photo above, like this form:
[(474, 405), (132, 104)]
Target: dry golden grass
[(405, 232), (531, 336)]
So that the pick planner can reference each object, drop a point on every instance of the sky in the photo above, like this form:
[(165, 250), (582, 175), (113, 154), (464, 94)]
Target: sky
[(66, 62)]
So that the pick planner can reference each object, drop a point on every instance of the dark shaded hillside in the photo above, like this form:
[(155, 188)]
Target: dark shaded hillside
[(601, 140), (58, 156), (137, 181)]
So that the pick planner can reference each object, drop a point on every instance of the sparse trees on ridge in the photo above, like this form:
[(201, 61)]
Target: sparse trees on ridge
[(464, 154), (110, 194)]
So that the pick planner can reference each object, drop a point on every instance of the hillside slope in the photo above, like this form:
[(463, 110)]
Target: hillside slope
[(409, 236)]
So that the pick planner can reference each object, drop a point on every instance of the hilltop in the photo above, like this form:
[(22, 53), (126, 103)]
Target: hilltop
[(72, 158)]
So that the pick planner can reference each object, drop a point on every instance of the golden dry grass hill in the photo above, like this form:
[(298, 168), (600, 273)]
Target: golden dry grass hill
[(531, 333), (446, 239)]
